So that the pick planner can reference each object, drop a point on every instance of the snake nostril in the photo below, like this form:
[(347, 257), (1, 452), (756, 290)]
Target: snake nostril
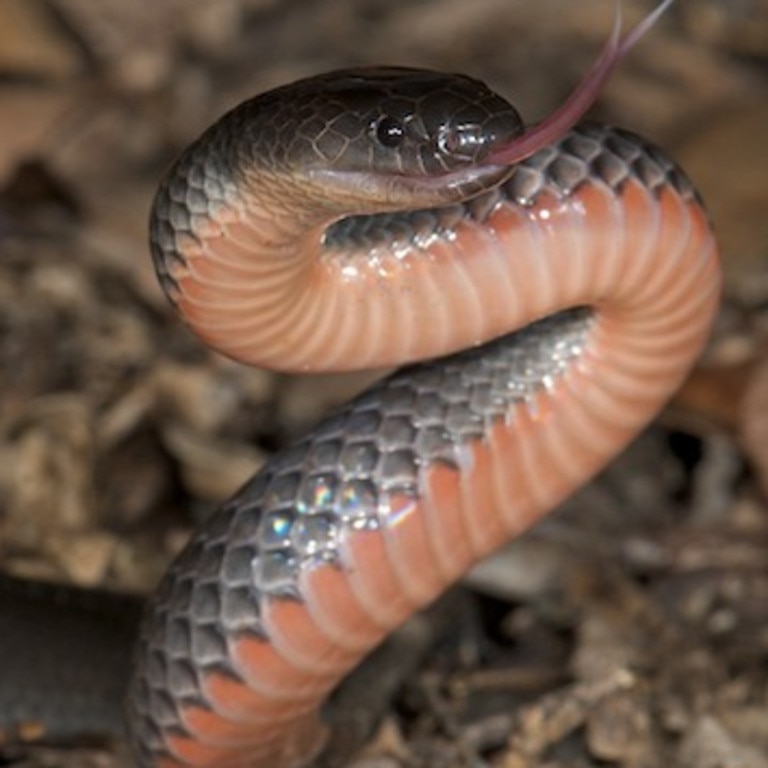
[(461, 141)]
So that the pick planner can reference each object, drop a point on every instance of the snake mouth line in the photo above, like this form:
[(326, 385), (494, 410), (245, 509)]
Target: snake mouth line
[(393, 191)]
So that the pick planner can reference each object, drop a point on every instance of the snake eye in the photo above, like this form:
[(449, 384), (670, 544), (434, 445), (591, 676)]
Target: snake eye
[(389, 131)]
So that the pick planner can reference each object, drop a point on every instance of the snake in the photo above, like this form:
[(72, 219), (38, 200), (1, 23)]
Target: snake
[(545, 290)]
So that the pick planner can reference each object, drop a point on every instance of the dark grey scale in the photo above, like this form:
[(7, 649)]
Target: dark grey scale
[(193, 189), (416, 228)]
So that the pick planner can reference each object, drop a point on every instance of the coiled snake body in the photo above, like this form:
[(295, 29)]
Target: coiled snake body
[(382, 216)]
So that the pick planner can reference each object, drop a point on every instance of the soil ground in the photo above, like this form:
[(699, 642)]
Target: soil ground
[(630, 629)]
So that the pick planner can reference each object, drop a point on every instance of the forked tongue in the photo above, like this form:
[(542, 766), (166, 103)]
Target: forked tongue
[(583, 96)]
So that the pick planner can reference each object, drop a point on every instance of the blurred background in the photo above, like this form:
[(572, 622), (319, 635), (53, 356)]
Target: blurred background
[(118, 430)]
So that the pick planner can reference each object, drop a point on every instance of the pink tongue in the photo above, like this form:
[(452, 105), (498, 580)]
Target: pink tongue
[(584, 95)]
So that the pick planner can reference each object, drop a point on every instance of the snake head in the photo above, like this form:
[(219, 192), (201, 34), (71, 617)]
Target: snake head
[(401, 121), (379, 138)]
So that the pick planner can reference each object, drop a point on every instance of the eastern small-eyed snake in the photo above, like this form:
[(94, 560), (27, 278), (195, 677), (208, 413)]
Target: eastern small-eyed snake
[(387, 216)]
